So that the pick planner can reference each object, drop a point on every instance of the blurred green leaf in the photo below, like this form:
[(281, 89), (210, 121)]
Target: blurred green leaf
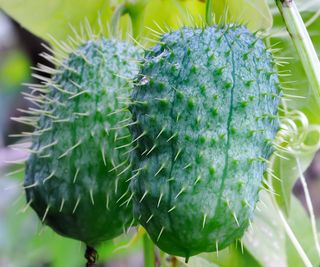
[(14, 70), (266, 239), (298, 95), (301, 226), (255, 14), (53, 17), (176, 13), (234, 255), (265, 245), (27, 243), (197, 261), (287, 172), (294, 82), (24, 242)]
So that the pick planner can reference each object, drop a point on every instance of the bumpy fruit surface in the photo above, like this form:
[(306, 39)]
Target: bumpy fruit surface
[(76, 176), (205, 113)]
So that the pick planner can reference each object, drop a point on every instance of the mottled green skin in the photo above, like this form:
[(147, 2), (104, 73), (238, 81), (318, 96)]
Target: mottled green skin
[(105, 68), (206, 99)]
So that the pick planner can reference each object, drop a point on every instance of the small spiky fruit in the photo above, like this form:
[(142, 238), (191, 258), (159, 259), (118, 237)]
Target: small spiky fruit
[(205, 111), (77, 175)]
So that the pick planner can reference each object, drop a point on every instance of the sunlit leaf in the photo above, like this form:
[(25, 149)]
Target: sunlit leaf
[(197, 261), (300, 223), (266, 238), (235, 255), (255, 14), (45, 18)]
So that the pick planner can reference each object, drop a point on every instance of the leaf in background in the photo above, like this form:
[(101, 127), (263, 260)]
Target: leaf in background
[(301, 226), (266, 239), (255, 14), (190, 12), (296, 83), (173, 15), (196, 261), (43, 17), (53, 17), (287, 172), (234, 256), (14, 69), (24, 242), (298, 93)]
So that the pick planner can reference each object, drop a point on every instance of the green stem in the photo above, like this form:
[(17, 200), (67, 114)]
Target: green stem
[(136, 11), (148, 248), (209, 12), (114, 24), (302, 42)]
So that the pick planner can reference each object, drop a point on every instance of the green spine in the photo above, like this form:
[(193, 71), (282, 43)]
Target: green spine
[(205, 109), (77, 175)]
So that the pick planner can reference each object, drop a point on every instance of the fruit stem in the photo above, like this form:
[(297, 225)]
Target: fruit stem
[(148, 249), (209, 12), (91, 255), (174, 261), (302, 42)]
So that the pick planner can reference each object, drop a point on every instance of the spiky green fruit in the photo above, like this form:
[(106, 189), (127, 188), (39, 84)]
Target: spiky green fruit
[(77, 175), (205, 110)]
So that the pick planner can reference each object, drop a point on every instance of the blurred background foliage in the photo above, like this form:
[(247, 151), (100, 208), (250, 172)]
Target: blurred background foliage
[(24, 24)]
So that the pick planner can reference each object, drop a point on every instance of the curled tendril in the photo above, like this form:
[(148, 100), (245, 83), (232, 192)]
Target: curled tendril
[(296, 136)]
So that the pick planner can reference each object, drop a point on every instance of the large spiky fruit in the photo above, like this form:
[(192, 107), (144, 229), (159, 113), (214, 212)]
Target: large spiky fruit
[(205, 113), (77, 175)]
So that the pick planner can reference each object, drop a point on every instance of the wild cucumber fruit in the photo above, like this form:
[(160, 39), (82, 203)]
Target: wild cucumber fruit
[(205, 110), (76, 177)]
